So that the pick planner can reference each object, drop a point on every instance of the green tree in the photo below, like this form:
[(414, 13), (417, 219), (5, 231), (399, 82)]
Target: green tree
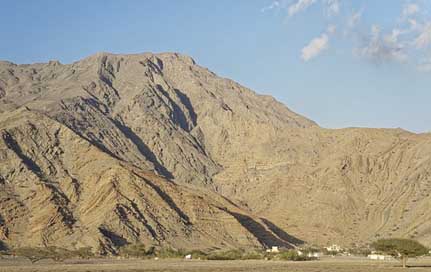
[(401, 248)]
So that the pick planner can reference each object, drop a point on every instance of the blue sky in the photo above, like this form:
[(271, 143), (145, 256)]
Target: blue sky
[(341, 63)]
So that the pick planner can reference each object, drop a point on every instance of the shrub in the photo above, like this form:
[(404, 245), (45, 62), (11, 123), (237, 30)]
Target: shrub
[(135, 251), (170, 253), (226, 255), (54, 253), (40, 253), (360, 251), (254, 255), (197, 254), (84, 253)]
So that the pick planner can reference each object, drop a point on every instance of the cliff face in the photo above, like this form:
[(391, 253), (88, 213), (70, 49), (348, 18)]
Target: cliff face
[(116, 149), (57, 188)]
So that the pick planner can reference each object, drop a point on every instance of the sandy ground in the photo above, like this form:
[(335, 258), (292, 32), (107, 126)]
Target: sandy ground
[(325, 265)]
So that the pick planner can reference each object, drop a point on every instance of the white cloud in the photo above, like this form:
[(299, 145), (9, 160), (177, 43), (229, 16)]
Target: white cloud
[(331, 29), (333, 7), (354, 19), (299, 6), (315, 47), (375, 32), (393, 37), (409, 10), (379, 49), (414, 25), (273, 5), (405, 40), (424, 38)]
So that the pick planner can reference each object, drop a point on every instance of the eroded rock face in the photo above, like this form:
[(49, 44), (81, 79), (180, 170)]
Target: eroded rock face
[(94, 154), (117, 149), (60, 189)]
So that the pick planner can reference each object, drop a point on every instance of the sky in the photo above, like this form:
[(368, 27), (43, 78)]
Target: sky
[(341, 63)]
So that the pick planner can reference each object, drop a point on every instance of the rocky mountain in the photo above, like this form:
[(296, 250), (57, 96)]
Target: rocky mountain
[(153, 148)]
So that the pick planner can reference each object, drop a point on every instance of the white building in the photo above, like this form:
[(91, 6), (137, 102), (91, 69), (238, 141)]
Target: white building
[(310, 254), (377, 257), (334, 248), (273, 249), (315, 255)]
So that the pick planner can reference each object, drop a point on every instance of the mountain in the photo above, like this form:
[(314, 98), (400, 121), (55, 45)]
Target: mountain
[(153, 148)]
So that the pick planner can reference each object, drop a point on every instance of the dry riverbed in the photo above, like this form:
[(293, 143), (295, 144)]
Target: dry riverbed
[(325, 265)]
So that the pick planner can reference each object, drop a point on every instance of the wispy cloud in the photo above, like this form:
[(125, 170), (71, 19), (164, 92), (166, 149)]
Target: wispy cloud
[(354, 19), (333, 7), (380, 49), (273, 5), (331, 29), (299, 6), (315, 47), (406, 40), (424, 38), (409, 10)]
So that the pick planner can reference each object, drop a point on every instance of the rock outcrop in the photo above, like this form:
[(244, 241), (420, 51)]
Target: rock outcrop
[(153, 148)]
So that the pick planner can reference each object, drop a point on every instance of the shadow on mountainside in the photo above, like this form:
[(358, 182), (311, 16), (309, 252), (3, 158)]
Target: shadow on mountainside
[(58, 197), (27, 161), (113, 237), (188, 104), (143, 148), (165, 197), (267, 237), (281, 233), (178, 115)]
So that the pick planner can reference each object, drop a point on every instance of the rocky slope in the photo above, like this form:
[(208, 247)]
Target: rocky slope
[(117, 149), (59, 189)]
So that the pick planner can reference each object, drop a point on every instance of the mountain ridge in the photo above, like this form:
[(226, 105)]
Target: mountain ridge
[(192, 134)]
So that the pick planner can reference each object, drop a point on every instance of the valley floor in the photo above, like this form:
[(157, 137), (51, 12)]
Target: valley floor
[(324, 265)]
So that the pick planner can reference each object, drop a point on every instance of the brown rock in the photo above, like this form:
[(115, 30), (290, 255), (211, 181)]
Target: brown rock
[(153, 148)]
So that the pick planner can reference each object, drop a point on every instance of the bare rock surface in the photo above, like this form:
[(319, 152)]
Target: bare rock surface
[(153, 148)]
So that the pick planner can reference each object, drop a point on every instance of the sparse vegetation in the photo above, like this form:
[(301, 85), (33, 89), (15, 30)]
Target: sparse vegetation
[(136, 251), (401, 248), (198, 254), (141, 251), (226, 255), (84, 253), (54, 253), (170, 253), (38, 254), (254, 255), (360, 251), (289, 255)]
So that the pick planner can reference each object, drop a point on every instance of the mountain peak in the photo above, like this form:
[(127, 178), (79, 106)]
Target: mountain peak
[(147, 147)]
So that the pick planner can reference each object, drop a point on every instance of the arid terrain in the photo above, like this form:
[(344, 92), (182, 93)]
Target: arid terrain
[(327, 265), (155, 149)]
